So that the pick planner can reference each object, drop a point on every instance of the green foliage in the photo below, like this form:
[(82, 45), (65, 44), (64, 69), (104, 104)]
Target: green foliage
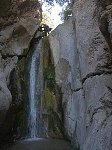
[(66, 13), (49, 75), (49, 101), (46, 19), (52, 101), (49, 70), (60, 2)]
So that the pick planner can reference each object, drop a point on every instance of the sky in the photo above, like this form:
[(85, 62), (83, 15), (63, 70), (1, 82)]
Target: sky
[(53, 13)]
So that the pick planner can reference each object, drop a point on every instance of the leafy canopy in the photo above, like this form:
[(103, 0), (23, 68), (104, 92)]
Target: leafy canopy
[(66, 12), (61, 2), (46, 19)]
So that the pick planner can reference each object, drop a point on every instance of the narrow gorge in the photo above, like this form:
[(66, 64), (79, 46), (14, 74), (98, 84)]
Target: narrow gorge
[(56, 90)]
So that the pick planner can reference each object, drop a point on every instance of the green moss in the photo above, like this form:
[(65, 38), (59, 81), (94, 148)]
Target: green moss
[(52, 102), (49, 75), (48, 59), (49, 101), (54, 121)]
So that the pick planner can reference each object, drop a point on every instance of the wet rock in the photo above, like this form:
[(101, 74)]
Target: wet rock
[(52, 102), (17, 28)]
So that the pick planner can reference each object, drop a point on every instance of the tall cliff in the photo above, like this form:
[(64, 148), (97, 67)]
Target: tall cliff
[(77, 68), (19, 21), (82, 52)]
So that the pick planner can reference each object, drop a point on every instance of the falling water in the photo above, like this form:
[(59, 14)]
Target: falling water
[(35, 122), (32, 96), (36, 130)]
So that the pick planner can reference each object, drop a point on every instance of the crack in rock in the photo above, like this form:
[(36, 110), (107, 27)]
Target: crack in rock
[(76, 90), (97, 73)]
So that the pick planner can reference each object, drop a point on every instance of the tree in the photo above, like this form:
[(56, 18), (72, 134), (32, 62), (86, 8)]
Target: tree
[(46, 19), (66, 12), (61, 2)]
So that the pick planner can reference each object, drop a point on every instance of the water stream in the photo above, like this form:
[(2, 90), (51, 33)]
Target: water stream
[(35, 122), (32, 95)]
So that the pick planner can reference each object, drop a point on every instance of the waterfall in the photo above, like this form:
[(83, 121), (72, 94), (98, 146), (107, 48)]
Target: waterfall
[(35, 122), (32, 96)]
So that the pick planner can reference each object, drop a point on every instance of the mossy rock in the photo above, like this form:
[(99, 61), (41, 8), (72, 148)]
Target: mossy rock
[(55, 125), (49, 75), (50, 101)]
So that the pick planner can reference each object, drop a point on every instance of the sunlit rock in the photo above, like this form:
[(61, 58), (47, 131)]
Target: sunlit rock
[(81, 49)]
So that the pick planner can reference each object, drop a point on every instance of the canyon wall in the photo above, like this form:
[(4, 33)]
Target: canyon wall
[(82, 52), (82, 61), (19, 21)]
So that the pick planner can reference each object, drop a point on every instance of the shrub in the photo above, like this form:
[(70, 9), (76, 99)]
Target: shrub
[(66, 12)]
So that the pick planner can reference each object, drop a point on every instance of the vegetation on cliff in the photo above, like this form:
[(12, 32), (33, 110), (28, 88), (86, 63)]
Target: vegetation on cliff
[(52, 103), (61, 2)]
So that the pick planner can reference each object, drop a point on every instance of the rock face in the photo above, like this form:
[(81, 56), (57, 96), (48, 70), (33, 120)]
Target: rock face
[(52, 100), (17, 28), (82, 58), (81, 48)]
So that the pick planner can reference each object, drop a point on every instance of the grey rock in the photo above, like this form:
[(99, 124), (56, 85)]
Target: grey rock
[(81, 49), (110, 27), (8, 65), (98, 95), (93, 49), (15, 39), (63, 46), (5, 97)]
